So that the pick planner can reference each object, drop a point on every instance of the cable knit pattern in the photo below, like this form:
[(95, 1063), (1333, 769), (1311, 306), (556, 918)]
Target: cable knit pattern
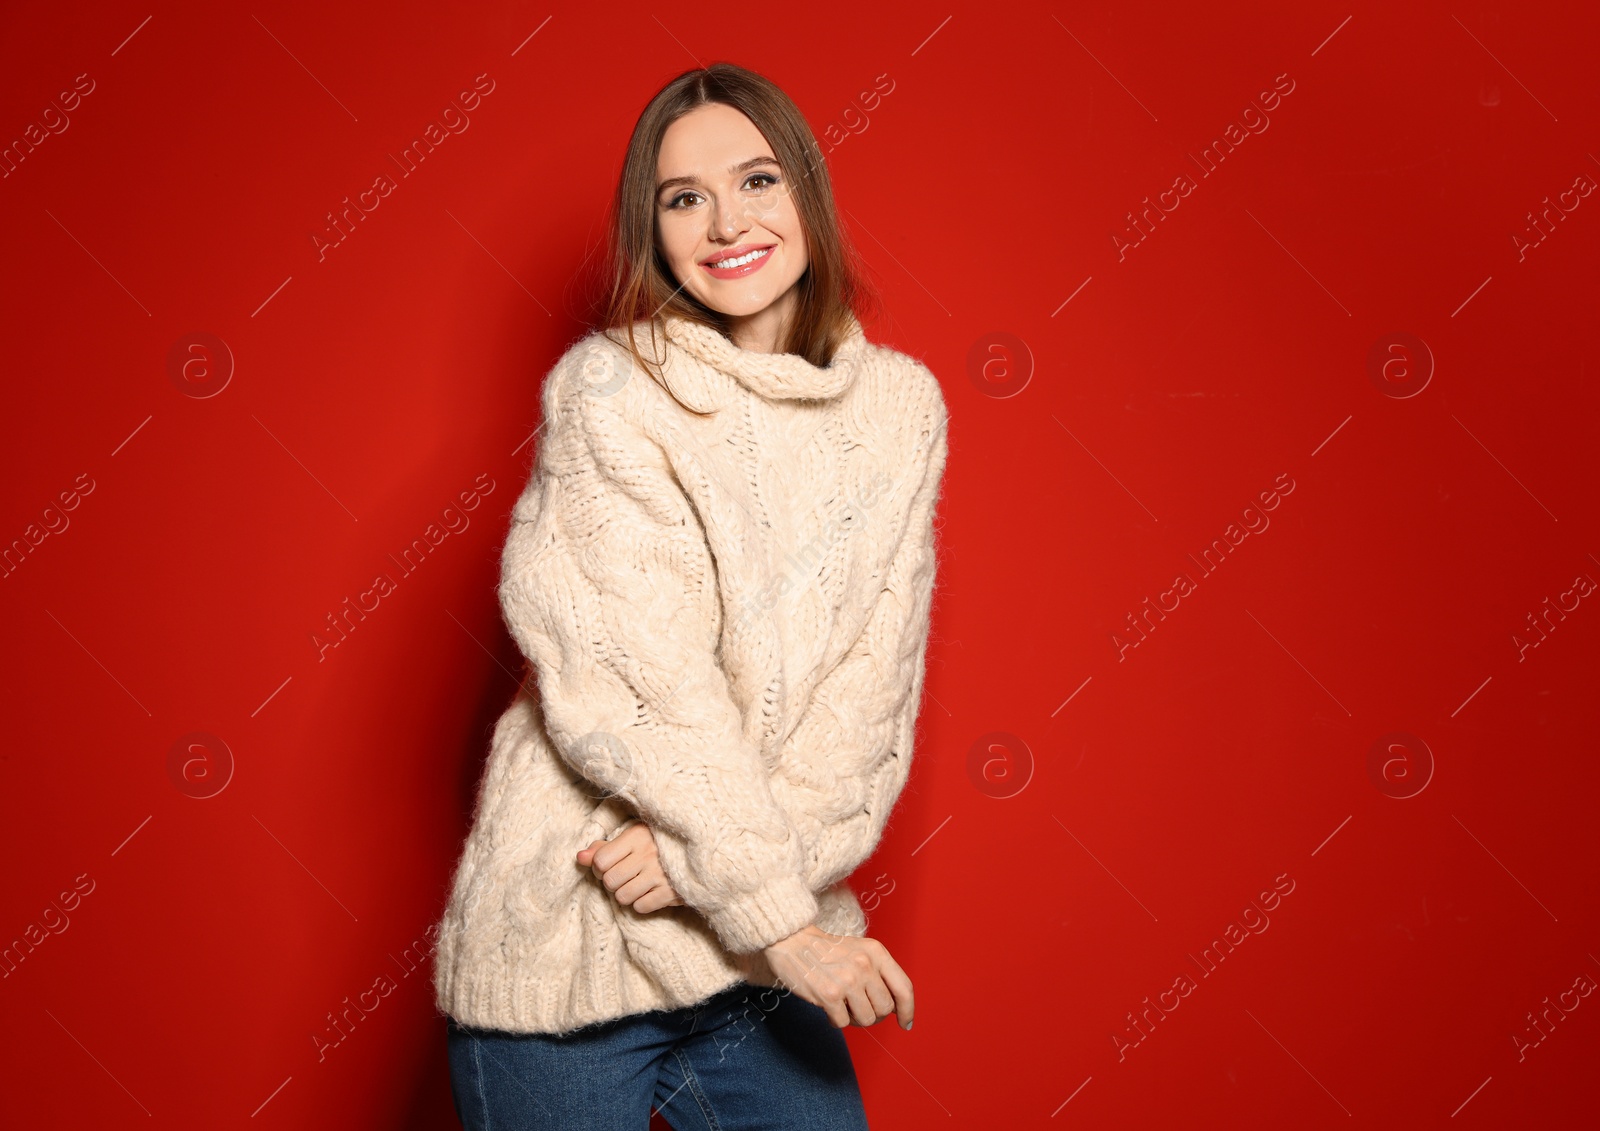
[(725, 620)]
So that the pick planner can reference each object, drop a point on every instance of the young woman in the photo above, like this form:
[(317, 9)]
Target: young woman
[(720, 573)]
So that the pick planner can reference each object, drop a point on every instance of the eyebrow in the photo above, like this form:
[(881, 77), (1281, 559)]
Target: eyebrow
[(674, 182)]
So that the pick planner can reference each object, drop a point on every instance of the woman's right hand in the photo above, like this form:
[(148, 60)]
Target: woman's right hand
[(854, 980)]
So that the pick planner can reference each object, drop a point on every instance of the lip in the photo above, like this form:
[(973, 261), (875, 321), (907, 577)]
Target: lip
[(733, 253)]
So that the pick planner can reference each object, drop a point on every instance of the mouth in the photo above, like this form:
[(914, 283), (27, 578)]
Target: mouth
[(736, 262)]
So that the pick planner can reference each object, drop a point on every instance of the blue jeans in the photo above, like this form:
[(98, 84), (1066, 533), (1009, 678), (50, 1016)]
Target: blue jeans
[(749, 1057)]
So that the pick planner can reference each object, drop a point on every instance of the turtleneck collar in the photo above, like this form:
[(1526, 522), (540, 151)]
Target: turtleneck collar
[(775, 376)]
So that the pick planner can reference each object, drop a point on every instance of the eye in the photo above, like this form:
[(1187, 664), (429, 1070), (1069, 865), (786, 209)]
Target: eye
[(676, 202), (770, 178)]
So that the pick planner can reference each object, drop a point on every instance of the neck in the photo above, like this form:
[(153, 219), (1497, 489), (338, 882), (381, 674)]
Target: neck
[(763, 330)]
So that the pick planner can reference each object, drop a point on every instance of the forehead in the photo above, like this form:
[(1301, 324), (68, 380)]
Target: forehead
[(707, 142)]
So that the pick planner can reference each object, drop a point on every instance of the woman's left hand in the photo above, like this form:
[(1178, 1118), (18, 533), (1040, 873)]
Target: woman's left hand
[(630, 869)]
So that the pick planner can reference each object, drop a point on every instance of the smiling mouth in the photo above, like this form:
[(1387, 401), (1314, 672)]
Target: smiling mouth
[(739, 260)]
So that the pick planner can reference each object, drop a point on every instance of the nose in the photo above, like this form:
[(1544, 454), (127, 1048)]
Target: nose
[(730, 219)]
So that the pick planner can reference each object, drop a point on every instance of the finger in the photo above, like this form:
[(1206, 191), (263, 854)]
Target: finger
[(834, 1005), (640, 839), (900, 986), (861, 1011), (665, 895), (618, 874), (634, 889), (654, 900), (825, 993), (594, 844), (880, 997), (609, 853)]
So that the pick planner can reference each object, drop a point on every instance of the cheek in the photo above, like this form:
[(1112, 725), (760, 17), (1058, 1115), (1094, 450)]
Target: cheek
[(787, 225), (794, 242), (675, 245), (786, 221)]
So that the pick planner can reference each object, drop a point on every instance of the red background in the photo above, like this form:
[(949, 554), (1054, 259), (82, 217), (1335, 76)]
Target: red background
[(1163, 788)]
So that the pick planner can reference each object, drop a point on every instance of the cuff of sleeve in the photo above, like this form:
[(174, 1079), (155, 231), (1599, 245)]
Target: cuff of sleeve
[(757, 919)]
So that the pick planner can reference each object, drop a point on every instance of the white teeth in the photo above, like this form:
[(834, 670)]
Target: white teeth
[(742, 260)]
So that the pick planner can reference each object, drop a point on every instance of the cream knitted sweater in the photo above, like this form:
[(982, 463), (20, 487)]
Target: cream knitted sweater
[(724, 619)]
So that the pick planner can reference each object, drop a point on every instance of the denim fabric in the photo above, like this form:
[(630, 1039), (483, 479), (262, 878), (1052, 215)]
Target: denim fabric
[(748, 1058)]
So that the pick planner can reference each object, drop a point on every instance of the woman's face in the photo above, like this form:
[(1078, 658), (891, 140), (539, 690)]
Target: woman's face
[(720, 196)]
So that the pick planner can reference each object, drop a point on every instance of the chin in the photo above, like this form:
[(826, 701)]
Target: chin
[(742, 306)]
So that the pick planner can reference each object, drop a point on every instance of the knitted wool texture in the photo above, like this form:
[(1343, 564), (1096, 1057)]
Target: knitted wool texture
[(725, 621)]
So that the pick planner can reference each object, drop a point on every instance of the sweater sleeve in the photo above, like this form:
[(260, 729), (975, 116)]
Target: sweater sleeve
[(609, 587), (849, 756)]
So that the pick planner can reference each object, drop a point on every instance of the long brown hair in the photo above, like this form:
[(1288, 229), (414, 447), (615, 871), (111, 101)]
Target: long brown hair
[(642, 288)]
